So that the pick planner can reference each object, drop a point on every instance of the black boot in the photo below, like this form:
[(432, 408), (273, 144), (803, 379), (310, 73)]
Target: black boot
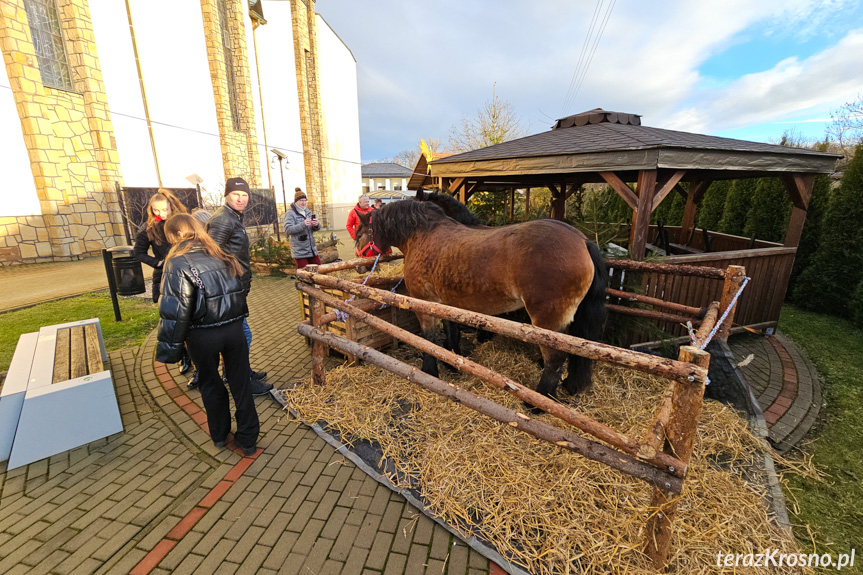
[(193, 383), (185, 363)]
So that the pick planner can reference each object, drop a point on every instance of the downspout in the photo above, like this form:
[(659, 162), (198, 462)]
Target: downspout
[(143, 93)]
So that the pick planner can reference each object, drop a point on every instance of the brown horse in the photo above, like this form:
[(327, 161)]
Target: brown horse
[(544, 266)]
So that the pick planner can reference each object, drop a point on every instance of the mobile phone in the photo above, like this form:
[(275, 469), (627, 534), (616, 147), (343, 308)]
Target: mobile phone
[(313, 216)]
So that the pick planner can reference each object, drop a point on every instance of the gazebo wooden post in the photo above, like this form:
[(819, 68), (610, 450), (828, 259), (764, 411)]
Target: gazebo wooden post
[(527, 203), (686, 400), (799, 187), (646, 188), (693, 198), (511, 204), (316, 310)]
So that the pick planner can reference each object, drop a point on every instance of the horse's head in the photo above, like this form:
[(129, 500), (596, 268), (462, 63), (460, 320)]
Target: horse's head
[(364, 244), (396, 222)]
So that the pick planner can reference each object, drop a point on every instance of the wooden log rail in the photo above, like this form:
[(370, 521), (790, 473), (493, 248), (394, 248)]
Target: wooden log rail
[(656, 302), (653, 456), (668, 368), (670, 269), (650, 314), (354, 263), (560, 437)]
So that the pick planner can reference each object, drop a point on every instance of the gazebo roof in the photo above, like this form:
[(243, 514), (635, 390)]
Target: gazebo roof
[(599, 140)]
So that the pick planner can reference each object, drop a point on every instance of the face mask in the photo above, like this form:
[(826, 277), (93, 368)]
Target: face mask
[(157, 218)]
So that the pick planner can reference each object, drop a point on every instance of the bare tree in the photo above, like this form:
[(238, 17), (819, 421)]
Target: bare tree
[(847, 126), (494, 123), (407, 158)]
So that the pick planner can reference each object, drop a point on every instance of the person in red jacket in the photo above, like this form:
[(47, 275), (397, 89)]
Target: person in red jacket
[(362, 207)]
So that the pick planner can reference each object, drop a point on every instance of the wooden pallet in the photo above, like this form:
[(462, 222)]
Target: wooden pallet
[(360, 332)]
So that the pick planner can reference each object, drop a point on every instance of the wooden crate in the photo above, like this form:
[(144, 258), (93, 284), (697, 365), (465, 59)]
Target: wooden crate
[(360, 332)]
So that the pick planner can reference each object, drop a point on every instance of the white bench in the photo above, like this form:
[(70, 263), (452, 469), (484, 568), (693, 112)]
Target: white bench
[(57, 395)]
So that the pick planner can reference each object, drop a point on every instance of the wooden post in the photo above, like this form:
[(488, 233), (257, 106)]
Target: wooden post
[(316, 311), (799, 188), (641, 218), (558, 203), (686, 401), (511, 204), (734, 277), (693, 198), (527, 203)]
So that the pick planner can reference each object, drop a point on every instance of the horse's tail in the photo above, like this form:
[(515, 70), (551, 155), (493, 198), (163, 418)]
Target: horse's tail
[(588, 322)]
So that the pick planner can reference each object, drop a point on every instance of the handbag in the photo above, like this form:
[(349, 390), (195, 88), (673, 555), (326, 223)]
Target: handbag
[(201, 297)]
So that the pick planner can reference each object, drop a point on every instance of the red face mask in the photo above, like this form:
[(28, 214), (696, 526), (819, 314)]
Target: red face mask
[(157, 218)]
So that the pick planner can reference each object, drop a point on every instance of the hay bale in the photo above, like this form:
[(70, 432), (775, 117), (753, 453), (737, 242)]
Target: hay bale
[(546, 508)]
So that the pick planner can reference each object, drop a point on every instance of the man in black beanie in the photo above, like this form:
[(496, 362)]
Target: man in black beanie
[(227, 229)]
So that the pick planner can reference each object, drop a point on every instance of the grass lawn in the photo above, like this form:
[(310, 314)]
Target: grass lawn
[(833, 505), (140, 316)]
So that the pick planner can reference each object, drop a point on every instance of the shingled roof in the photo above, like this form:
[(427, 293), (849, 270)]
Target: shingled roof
[(385, 170), (600, 140)]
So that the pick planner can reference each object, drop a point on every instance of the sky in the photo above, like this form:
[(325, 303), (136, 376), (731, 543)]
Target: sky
[(747, 69)]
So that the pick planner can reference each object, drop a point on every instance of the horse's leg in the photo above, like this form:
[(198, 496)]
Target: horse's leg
[(428, 325), (452, 341), (552, 370)]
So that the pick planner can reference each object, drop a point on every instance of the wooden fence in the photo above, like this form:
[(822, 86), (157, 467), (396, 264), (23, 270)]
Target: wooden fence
[(659, 457)]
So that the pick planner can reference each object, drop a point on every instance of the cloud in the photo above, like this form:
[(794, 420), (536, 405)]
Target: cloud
[(792, 87), (423, 66)]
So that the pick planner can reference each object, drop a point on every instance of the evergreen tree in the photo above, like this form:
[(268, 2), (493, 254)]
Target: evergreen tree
[(737, 204), (713, 204), (767, 218), (670, 210), (811, 235), (831, 283)]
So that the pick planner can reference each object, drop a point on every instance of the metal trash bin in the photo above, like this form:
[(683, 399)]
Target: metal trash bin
[(128, 273)]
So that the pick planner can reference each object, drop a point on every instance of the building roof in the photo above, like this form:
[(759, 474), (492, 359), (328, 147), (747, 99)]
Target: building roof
[(420, 178), (385, 170), (600, 140)]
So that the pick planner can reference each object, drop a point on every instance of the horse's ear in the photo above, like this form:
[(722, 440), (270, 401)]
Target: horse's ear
[(364, 218), (420, 195)]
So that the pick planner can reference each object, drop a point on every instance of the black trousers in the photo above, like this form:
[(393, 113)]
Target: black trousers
[(205, 346)]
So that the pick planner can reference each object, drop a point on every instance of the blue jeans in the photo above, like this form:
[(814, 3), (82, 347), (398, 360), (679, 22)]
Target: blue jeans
[(247, 331)]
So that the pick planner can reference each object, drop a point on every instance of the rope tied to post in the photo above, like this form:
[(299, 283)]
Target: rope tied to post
[(342, 316), (720, 321)]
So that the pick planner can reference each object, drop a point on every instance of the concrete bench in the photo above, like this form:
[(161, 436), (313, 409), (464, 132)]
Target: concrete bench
[(60, 396)]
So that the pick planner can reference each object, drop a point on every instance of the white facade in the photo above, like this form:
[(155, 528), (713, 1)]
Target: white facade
[(179, 92), (19, 198), (337, 80), (387, 184)]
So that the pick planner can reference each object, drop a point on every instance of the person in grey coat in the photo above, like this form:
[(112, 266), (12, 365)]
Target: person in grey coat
[(300, 222)]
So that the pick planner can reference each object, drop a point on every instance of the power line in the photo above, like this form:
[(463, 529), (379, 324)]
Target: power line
[(580, 61), (193, 130), (583, 65)]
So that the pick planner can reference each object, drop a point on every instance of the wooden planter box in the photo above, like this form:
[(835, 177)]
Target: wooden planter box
[(358, 331)]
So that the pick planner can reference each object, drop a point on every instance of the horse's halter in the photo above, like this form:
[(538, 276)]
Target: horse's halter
[(370, 249)]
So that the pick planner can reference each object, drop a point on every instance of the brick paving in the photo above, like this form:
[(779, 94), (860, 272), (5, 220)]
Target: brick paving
[(784, 382), (160, 498)]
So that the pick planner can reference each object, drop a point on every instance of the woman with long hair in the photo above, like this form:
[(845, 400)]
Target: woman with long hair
[(203, 304), (162, 205)]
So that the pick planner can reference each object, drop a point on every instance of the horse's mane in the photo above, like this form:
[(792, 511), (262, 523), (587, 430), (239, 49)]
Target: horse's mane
[(397, 221), (451, 207)]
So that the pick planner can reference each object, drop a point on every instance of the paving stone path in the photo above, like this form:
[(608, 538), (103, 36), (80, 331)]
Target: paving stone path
[(160, 498)]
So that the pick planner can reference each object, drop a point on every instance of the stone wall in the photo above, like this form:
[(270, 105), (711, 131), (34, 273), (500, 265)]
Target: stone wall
[(70, 143), (305, 60), (239, 146)]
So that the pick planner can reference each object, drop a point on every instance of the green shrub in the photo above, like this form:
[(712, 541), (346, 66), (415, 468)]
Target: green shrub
[(713, 204), (810, 238), (767, 218), (830, 283), (737, 203)]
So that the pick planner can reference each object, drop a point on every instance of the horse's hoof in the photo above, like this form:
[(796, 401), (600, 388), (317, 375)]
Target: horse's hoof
[(450, 368), (534, 410)]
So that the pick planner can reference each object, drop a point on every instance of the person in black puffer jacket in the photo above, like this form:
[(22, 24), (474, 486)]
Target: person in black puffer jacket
[(203, 304)]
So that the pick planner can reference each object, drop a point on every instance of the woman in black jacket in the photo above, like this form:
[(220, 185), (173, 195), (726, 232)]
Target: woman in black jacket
[(162, 205), (203, 304)]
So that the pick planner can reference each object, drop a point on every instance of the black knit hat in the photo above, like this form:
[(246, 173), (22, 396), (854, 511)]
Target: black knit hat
[(236, 185)]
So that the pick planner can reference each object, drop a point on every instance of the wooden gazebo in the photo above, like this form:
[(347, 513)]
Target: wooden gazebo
[(614, 148)]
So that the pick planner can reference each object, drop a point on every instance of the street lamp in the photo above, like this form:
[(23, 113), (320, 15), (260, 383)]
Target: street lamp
[(282, 156)]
